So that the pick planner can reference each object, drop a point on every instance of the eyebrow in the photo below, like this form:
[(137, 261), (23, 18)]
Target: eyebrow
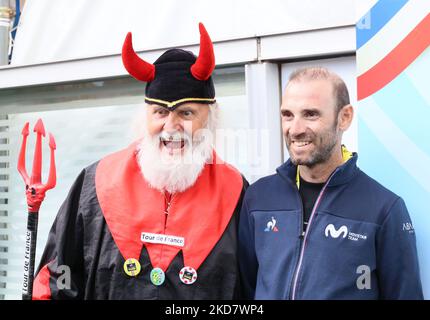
[(315, 110), (158, 108), (186, 108), (311, 110)]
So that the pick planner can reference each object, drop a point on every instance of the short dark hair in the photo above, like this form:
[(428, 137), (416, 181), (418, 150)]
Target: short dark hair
[(340, 90)]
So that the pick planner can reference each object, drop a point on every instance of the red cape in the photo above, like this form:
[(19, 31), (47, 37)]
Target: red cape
[(200, 214)]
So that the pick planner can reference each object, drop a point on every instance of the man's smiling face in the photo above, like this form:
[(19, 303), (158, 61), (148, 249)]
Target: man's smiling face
[(309, 121)]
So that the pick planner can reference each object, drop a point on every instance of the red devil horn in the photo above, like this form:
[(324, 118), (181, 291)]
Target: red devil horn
[(205, 63), (136, 67)]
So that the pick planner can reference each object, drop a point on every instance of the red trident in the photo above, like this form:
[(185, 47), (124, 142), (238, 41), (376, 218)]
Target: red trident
[(35, 190), (35, 193)]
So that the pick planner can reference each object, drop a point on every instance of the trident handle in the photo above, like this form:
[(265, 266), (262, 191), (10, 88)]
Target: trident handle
[(30, 255)]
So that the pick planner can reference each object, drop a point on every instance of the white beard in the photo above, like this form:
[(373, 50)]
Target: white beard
[(173, 173)]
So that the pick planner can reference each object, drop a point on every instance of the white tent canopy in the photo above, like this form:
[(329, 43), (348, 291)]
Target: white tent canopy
[(64, 30)]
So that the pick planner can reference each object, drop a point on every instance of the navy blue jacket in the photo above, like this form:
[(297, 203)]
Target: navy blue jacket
[(359, 243)]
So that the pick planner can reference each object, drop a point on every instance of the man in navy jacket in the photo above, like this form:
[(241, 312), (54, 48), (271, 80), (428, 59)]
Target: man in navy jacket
[(320, 228)]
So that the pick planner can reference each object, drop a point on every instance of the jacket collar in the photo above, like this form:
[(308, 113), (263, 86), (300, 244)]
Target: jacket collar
[(342, 174)]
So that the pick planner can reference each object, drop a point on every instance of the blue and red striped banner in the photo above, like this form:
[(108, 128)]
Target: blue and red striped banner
[(393, 64)]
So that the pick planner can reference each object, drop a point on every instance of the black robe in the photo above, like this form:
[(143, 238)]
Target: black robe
[(82, 241)]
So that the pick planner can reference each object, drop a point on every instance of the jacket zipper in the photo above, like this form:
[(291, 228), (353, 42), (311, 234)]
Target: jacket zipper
[(302, 219), (303, 244), (302, 232)]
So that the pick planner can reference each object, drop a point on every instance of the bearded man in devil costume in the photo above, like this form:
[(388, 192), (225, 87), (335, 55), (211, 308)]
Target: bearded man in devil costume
[(157, 220)]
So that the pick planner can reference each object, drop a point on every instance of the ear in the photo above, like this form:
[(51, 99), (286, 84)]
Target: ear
[(345, 117)]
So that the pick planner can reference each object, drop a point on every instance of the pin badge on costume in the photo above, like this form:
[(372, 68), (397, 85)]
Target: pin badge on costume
[(157, 276), (188, 275), (132, 267)]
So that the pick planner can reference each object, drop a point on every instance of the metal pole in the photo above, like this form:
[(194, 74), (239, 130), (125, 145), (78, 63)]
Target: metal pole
[(6, 15)]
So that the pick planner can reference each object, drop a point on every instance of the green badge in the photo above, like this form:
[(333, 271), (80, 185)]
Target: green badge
[(157, 276)]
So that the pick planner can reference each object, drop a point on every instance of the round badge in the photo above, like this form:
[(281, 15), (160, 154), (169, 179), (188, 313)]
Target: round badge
[(188, 275), (157, 276), (132, 267)]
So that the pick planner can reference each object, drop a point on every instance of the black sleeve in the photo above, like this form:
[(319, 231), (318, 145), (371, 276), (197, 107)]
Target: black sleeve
[(60, 273), (248, 263), (240, 291)]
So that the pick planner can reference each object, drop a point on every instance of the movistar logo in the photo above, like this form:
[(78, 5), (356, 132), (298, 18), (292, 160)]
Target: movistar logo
[(331, 230)]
